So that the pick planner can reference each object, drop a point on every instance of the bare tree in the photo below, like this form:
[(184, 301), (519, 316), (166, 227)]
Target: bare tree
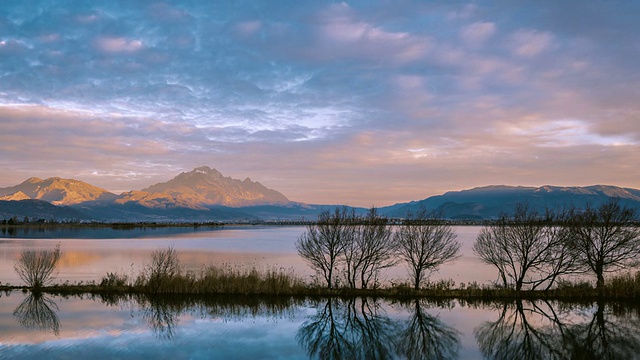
[(527, 249), (424, 243), (323, 243), (163, 269), (605, 239), (370, 251), (35, 268)]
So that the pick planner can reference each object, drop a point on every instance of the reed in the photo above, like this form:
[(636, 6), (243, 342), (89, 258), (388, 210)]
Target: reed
[(165, 275)]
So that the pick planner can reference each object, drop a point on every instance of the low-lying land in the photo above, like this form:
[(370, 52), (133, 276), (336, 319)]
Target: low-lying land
[(237, 281), (164, 275)]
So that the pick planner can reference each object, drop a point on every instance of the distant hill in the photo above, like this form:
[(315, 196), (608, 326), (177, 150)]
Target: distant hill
[(56, 191), (492, 201), (204, 194), (38, 209)]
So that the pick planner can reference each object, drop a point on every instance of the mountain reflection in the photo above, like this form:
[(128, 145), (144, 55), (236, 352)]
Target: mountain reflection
[(37, 311), (539, 330), (358, 329)]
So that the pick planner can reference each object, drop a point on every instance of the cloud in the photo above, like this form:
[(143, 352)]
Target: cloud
[(119, 45), (247, 28), (373, 102), (529, 43), (477, 33), (341, 35), (568, 133), (465, 12)]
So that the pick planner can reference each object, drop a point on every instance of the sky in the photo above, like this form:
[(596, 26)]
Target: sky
[(364, 103)]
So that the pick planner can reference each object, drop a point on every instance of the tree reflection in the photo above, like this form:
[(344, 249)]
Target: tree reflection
[(37, 311), (536, 330), (605, 336), (161, 314), (348, 329), (514, 335), (424, 336), (324, 335), (359, 329)]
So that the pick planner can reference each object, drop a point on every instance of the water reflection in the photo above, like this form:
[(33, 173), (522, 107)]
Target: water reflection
[(116, 231), (359, 329), (335, 328), (38, 311), (540, 330), (424, 336), (162, 313), (609, 334), (347, 329)]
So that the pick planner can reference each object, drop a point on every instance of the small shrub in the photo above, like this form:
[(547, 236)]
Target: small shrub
[(624, 285), (35, 268), (163, 271), (113, 280), (582, 285)]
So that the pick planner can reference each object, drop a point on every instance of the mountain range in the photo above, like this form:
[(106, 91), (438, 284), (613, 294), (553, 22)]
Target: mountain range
[(493, 201), (204, 194)]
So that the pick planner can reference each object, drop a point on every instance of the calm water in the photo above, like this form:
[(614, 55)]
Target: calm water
[(218, 328), (87, 254), (173, 328)]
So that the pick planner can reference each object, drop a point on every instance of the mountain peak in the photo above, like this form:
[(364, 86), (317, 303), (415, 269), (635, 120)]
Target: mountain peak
[(57, 191), (204, 186), (32, 180), (205, 170)]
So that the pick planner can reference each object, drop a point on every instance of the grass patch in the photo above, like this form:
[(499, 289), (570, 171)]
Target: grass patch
[(165, 275)]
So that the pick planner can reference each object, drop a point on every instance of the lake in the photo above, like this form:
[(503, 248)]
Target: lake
[(55, 327), (87, 254)]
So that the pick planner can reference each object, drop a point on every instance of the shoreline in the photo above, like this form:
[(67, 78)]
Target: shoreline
[(575, 294)]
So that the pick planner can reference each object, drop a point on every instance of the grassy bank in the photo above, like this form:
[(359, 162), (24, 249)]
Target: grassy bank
[(227, 280), (164, 275)]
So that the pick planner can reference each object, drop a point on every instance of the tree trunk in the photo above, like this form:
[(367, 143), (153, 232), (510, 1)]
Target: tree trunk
[(600, 283)]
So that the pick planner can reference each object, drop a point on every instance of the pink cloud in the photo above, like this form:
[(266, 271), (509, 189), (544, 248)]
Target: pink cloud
[(119, 45), (342, 34), (477, 33), (247, 28), (529, 43)]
